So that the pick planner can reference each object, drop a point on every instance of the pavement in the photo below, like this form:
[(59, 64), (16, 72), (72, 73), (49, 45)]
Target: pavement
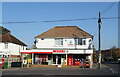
[(55, 71)]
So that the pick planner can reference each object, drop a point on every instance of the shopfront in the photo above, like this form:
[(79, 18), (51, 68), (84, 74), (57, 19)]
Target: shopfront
[(42, 59), (59, 57)]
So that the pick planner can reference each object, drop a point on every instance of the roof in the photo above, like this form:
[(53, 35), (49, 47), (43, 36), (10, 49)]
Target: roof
[(10, 38), (64, 31)]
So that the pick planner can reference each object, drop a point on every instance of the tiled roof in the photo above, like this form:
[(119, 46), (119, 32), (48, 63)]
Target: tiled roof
[(64, 31), (10, 38)]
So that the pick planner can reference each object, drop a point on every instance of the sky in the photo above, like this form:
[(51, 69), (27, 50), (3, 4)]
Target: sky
[(43, 11)]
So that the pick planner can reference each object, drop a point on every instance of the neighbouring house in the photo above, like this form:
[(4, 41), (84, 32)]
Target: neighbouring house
[(10, 46), (61, 45)]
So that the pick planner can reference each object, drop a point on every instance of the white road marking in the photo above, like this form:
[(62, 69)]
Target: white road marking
[(110, 69)]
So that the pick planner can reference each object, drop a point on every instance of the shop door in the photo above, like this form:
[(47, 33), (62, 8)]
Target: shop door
[(59, 59), (54, 59)]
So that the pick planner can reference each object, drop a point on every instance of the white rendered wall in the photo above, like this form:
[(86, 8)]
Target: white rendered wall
[(13, 49), (50, 43)]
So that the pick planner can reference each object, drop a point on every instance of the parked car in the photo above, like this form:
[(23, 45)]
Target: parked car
[(118, 60), (84, 64)]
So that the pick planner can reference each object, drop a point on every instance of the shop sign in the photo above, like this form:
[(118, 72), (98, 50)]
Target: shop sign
[(70, 42), (70, 60), (58, 51)]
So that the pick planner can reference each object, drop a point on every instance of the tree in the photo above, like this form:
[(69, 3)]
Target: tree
[(3, 30), (114, 55), (95, 55)]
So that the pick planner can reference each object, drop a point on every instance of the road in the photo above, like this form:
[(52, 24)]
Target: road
[(114, 67), (55, 71)]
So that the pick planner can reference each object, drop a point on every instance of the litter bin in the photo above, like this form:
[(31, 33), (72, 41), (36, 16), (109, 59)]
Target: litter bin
[(5, 65), (16, 64)]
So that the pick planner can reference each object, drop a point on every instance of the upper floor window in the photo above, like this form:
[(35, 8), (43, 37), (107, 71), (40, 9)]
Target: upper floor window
[(6, 45), (81, 41), (58, 41), (42, 38)]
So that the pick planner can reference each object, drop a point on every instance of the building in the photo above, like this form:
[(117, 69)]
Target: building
[(10, 46), (61, 45)]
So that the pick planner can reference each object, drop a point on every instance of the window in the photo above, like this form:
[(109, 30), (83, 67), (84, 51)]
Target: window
[(6, 45), (58, 41), (42, 38), (84, 41), (81, 41)]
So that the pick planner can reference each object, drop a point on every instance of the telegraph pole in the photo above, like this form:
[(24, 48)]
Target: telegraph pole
[(99, 41)]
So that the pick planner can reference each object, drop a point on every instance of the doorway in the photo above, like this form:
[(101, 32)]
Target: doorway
[(57, 59)]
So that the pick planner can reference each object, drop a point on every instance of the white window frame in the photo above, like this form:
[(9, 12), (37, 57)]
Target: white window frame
[(58, 41), (6, 45), (82, 41)]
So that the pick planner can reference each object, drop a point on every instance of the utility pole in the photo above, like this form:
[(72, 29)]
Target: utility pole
[(99, 39)]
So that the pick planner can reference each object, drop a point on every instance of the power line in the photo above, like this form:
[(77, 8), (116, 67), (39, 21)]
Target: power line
[(70, 20), (82, 19), (11, 22)]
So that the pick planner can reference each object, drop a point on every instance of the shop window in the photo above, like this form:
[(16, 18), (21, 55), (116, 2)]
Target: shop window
[(81, 41), (58, 41)]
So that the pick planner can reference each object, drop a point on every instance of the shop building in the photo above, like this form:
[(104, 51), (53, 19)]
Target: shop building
[(61, 45)]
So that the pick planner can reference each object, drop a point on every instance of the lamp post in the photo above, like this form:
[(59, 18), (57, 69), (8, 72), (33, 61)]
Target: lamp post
[(99, 41)]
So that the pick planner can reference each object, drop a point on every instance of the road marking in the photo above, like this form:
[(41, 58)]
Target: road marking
[(109, 68)]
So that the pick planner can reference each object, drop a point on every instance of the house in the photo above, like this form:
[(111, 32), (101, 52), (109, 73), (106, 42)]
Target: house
[(62, 45), (10, 46)]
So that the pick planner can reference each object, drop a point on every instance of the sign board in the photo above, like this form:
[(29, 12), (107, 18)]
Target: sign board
[(24, 61), (29, 60), (70, 60), (70, 43), (58, 51)]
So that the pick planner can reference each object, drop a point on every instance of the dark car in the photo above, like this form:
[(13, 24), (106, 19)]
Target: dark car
[(84, 64)]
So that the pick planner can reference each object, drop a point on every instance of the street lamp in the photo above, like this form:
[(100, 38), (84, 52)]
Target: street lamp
[(99, 41)]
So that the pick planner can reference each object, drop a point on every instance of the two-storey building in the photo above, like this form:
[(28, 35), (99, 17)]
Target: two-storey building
[(10, 46), (62, 45)]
